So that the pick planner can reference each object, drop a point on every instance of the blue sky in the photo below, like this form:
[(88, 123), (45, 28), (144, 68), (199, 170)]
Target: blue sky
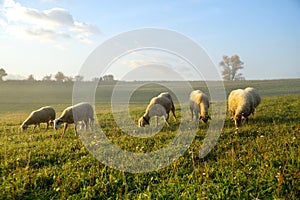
[(42, 37)]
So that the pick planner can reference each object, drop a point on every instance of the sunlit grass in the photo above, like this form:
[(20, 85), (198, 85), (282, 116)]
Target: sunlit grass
[(260, 161)]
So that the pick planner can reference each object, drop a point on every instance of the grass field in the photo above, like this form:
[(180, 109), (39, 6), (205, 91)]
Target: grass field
[(261, 161)]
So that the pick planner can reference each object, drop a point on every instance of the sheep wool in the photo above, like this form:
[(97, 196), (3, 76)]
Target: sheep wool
[(240, 106), (199, 103), (43, 115), (255, 94), (160, 105), (81, 112)]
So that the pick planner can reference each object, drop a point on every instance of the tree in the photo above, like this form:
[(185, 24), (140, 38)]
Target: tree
[(108, 77), (2, 74), (78, 78), (230, 66), (96, 79), (68, 79), (47, 78), (30, 78), (59, 76)]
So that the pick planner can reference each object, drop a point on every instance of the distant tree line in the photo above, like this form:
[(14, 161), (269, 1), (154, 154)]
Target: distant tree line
[(230, 68), (60, 77)]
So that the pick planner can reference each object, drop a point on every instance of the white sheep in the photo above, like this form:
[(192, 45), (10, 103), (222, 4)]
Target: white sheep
[(199, 103), (240, 106), (256, 96), (43, 115), (159, 106), (81, 112)]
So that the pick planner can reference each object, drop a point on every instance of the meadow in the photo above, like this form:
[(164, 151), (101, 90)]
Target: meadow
[(260, 161)]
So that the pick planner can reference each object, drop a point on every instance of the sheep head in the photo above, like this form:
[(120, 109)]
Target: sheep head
[(143, 121), (205, 118), (239, 120), (57, 123), (24, 127)]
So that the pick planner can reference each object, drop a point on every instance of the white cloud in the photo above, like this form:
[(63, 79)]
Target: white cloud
[(51, 25)]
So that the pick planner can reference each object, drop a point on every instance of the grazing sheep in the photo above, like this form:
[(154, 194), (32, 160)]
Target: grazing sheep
[(166, 94), (158, 106), (256, 96), (43, 115), (81, 112), (199, 103), (240, 106)]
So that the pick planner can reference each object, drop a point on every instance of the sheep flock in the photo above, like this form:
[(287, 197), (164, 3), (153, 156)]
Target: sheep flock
[(241, 104)]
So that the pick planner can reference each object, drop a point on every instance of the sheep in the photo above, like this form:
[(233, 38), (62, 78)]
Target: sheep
[(256, 96), (166, 94), (43, 115), (240, 106), (160, 105), (81, 112), (199, 103)]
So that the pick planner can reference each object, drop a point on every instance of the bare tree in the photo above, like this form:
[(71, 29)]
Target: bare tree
[(230, 66), (2, 74)]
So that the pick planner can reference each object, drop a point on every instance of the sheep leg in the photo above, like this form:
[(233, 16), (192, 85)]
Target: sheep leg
[(175, 118), (167, 117), (83, 124), (75, 127), (192, 112), (166, 122), (92, 124), (47, 126), (65, 128), (34, 127), (197, 115), (86, 124)]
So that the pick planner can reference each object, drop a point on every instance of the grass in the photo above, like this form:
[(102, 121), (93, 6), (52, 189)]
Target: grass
[(261, 161)]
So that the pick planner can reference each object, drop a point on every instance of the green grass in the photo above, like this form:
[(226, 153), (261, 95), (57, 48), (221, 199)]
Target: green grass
[(260, 161)]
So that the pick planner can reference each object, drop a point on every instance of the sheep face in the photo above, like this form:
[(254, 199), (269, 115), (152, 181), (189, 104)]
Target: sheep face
[(143, 121), (239, 120), (24, 127), (57, 123), (205, 118)]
